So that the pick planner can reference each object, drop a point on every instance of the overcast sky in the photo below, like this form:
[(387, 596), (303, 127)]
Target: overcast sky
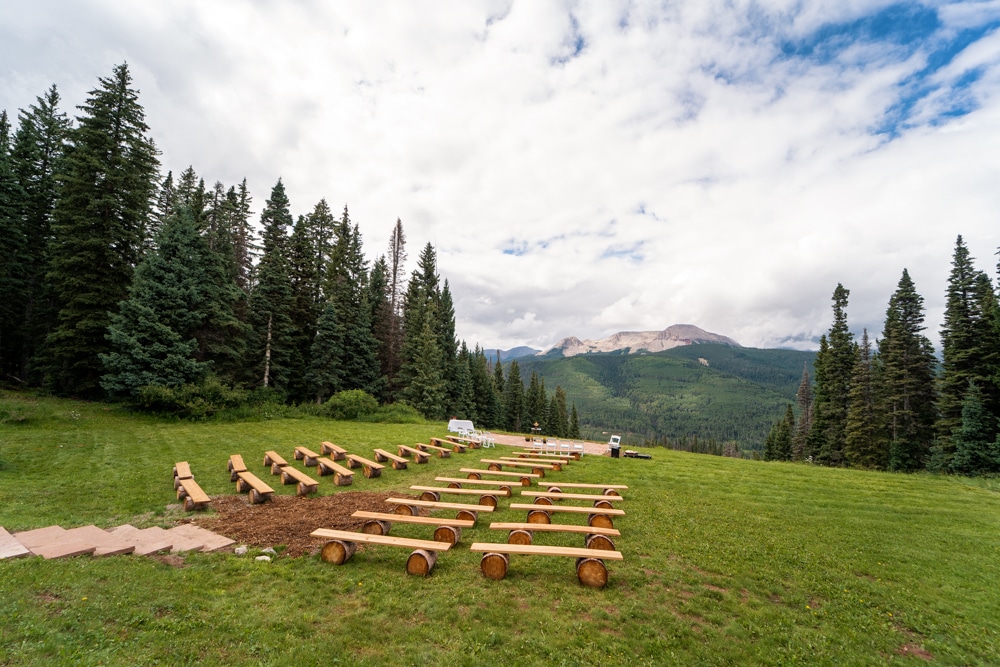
[(582, 168)]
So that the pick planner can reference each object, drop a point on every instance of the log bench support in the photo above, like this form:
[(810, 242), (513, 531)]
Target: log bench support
[(307, 456), (418, 456), (341, 475), (247, 482), (445, 530), (236, 466), (590, 568), (306, 484), (371, 468), (398, 462), (192, 495), (342, 545), (274, 461), (335, 452)]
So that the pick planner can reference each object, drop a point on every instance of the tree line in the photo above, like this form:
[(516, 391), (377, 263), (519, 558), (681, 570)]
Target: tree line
[(120, 283), (892, 404)]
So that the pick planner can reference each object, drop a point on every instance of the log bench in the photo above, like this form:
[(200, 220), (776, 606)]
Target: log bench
[(470, 442), (398, 462), (307, 456), (546, 497), (235, 466), (486, 497), (457, 447), (274, 461), (335, 452), (607, 489), (343, 543), (446, 530), (523, 477), (556, 465), (371, 468), (590, 568), (418, 456), (457, 482), (442, 452), (341, 475), (597, 516), (594, 537), (410, 507), (248, 482), (536, 468), (182, 470), (306, 484), (543, 456), (192, 495)]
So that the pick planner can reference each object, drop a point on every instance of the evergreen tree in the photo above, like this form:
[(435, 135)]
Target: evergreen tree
[(498, 413), (396, 290), (514, 404), (483, 393), (273, 344), (449, 348), (99, 224), (977, 449), (463, 394), (834, 366), (907, 379), (163, 208), (803, 398), (558, 416), (536, 405), (242, 234), (305, 306), (381, 318), (574, 424), (865, 444), (425, 391), (422, 292), (778, 444), (324, 376), (12, 256)]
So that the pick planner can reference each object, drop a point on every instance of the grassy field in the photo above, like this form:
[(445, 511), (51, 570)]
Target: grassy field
[(727, 562)]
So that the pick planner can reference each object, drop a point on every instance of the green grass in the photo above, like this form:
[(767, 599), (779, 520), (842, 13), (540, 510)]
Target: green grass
[(726, 562)]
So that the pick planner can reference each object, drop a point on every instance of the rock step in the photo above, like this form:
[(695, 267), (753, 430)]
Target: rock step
[(57, 542)]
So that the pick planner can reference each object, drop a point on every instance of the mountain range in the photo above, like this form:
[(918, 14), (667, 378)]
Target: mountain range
[(673, 336)]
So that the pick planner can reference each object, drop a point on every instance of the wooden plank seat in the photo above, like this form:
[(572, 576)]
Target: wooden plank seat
[(307, 456), (446, 530), (523, 477), (597, 516), (546, 497), (418, 455), (275, 461), (342, 544), (442, 452), (192, 495), (501, 486), (461, 440), (590, 568), (410, 507), (235, 466), (607, 489), (545, 456), (536, 468), (182, 470), (486, 497), (247, 482), (336, 452), (371, 468), (556, 465), (457, 447), (306, 484), (341, 475), (595, 537), (398, 462)]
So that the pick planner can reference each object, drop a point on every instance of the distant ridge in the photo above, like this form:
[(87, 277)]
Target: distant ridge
[(513, 353), (673, 336)]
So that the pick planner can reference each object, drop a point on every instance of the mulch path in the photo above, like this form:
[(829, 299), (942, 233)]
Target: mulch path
[(289, 520)]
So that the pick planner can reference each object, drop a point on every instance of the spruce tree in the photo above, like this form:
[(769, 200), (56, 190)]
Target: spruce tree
[(778, 444), (803, 399), (13, 257), (977, 449), (305, 306), (380, 316), (426, 391), (560, 418), (907, 379), (423, 291), (574, 423), (462, 396), (498, 413), (396, 290), (99, 228), (514, 403), (833, 386), (865, 443), (324, 375), (482, 388)]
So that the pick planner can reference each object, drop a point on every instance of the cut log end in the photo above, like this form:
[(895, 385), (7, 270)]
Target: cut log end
[(241, 486), (474, 475), (256, 497), (488, 500), (592, 572), (538, 471), (600, 521), (421, 562), (539, 516), (494, 566), (189, 504), (376, 527), (372, 472), (406, 510), (337, 551), (603, 504), (525, 481), (454, 485), (519, 537), (432, 496), (305, 489), (399, 465), (449, 534), (554, 489), (602, 542), (542, 500), (275, 469), (342, 480), (495, 467), (467, 515), (611, 492), (506, 491)]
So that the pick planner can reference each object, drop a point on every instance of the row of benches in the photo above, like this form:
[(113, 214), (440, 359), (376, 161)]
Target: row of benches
[(188, 490)]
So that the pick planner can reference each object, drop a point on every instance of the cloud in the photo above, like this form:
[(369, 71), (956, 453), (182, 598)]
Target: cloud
[(583, 167)]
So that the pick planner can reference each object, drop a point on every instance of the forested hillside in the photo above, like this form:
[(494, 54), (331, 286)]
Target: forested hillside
[(708, 394)]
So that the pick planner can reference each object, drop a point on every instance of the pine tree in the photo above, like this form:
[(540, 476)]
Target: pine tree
[(803, 399), (324, 375), (778, 444), (560, 418), (462, 401), (99, 229), (977, 449), (907, 379), (535, 404), (574, 424), (381, 319), (242, 234), (482, 389), (13, 256), (396, 290), (514, 403), (865, 443), (305, 305), (498, 413), (422, 292), (828, 434), (426, 391), (449, 347)]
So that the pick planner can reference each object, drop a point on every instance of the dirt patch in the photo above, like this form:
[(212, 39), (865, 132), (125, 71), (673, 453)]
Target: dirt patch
[(289, 520), (173, 560), (915, 651)]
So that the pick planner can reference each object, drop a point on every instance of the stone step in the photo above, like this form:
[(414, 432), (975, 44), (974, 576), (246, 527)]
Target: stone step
[(57, 542), (209, 541), (146, 540), (53, 542), (10, 547)]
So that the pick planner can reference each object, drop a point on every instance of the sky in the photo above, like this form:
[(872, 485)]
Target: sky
[(581, 168)]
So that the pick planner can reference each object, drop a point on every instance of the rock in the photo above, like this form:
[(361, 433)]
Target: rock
[(241, 551), (263, 559), (269, 550)]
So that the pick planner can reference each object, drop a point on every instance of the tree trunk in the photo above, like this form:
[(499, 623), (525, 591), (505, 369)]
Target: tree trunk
[(449, 534), (602, 542), (267, 352), (337, 551), (520, 537), (591, 572), (494, 566), (421, 562)]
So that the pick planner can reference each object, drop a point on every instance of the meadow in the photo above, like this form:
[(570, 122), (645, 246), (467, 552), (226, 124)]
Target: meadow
[(727, 562)]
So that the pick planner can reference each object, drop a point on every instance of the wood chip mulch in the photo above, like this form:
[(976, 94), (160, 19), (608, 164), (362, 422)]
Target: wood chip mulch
[(289, 520)]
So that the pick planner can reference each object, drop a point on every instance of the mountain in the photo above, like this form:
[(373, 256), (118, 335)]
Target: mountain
[(712, 391), (635, 341), (513, 353)]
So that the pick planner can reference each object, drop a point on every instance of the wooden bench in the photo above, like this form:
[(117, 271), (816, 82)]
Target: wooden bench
[(595, 537), (556, 465), (469, 442), (546, 497), (372, 469), (335, 452), (343, 543), (441, 451), (536, 468), (258, 490), (341, 475), (457, 447), (181, 471), (192, 495), (597, 516), (409, 507), (544, 456), (486, 497), (590, 568), (607, 489), (306, 484), (274, 461), (418, 456), (457, 482), (398, 462), (380, 523), (523, 477), (235, 466), (307, 456)]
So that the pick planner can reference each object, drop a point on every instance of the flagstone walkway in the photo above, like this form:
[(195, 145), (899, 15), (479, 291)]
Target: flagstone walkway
[(58, 542)]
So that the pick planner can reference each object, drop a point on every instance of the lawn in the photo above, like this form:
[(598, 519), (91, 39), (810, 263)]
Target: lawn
[(726, 562)]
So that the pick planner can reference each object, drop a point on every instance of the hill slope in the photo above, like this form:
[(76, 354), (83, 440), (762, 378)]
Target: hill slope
[(711, 391)]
